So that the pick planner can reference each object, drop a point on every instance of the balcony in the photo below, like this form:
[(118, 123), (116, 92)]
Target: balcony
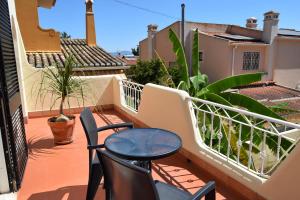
[(61, 172), (214, 147)]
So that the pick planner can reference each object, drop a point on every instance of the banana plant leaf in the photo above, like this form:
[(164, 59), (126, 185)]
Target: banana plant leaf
[(180, 57), (183, 86), (249, 103), (198, 82), (195, 55), (168, 79), (234, 81)]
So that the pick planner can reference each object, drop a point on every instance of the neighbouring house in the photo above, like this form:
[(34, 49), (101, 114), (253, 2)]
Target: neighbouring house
[(45, 47), (226, 50)]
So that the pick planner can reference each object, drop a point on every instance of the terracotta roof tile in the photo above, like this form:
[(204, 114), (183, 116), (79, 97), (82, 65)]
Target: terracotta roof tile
[(272, 94), (84, 55)]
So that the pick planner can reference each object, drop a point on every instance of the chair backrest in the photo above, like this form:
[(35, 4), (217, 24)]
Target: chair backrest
[(89, 125), (124, 180)]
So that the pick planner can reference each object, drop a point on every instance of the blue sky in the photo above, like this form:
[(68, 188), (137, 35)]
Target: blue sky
[(120, 27)]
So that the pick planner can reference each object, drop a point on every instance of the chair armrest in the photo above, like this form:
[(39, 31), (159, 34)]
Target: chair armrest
[(91, 147), (113, 126), (207, 191)]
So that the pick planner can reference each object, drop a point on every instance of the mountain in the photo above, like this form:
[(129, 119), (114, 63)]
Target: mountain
[(121, 52)]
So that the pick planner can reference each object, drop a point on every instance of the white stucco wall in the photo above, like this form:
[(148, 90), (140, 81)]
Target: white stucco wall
[(287, 62)]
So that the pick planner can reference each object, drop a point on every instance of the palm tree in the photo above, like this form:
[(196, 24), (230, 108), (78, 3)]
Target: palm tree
[(59, 82), (65, 35)]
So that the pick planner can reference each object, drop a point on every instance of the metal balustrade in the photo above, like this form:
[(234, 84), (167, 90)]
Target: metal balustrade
[(255, 142), (131, 94)]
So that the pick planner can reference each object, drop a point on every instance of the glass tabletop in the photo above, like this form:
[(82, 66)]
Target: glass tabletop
[(143, 143)]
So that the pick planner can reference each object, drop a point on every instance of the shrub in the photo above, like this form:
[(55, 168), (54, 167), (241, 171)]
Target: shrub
[(148, 72)]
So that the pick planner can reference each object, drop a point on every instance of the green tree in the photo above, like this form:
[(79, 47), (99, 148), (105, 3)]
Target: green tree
[(136, 51), (65, 35), (151, 71)]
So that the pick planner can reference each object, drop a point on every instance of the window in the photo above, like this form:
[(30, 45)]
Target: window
[(251, 61), (200, 56)]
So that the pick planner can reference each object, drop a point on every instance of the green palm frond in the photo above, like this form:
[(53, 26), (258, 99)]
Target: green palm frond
[(59, 82)]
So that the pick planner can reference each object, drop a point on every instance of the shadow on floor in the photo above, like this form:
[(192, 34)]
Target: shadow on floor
[(40, 146), (43, 146), (175, 173), (109, 117), (76, 192)]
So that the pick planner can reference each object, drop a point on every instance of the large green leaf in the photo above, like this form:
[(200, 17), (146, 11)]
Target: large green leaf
[(180, 56), (234, 81), (249, 103), (183, 86), (167, 78), (195, 55), (216, 98), (198, 82)]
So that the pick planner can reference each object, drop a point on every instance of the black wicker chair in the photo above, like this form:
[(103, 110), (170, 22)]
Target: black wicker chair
[(125, 181), (91, 131)]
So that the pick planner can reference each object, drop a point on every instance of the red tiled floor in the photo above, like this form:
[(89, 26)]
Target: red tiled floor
[(60, 172)]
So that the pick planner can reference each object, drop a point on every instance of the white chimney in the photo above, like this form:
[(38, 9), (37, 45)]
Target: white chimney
[(152, 29), (251, 23), (270, 30)]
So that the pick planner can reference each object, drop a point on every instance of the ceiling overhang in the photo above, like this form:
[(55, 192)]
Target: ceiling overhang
[(46, 3)]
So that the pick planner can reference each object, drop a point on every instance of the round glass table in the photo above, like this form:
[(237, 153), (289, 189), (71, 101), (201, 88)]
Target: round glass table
[(143, 144)]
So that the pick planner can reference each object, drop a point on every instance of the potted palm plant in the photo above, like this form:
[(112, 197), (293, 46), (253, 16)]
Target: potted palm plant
[(59, 86)]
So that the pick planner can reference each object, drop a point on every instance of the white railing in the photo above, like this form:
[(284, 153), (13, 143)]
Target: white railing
[(255, 142), (131, 94)]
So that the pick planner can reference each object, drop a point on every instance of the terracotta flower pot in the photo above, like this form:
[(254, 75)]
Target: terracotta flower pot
[(62, 131)]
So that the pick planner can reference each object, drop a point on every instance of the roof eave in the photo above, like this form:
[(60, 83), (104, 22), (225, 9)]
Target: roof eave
[(101, 68)]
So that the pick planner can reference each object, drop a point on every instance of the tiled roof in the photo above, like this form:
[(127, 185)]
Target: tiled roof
[(270, 93), (237, 38), (84, 55), (289, 32)]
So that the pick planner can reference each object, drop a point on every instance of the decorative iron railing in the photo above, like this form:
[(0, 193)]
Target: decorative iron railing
[(255, 142), (131, 94)]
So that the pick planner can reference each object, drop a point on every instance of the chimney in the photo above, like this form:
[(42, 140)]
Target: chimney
[(251, 23), (90, 24), (270, 30), (152, 29)]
